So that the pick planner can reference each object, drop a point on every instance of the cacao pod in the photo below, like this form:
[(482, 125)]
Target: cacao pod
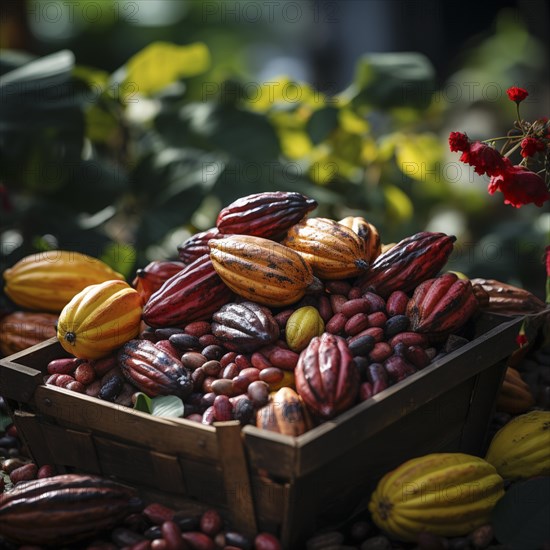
[(64, 509), (266, 215), (441, 305), (509, 299), (302, 326), (408, 263), (192, 294), (99, 319), (244, 326), (285, 414), (197, 245), (47, 281), (367, 232), (515, 396), (262, 270), (445, 494), (153, 371), (333, 250), (22, 329), (521, 448), (153, 276), (326, 376)]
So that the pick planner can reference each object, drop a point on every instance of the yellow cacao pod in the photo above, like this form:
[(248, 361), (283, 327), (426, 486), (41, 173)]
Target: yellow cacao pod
[(333, 250), (446, 494), (521, 448), (302, 326), (46, 281), (366, 231), (100, 319), (261, 270), (515, 396)]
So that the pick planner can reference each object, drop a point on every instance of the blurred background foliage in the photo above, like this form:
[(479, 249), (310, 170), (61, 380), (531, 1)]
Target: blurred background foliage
[(126, 126)]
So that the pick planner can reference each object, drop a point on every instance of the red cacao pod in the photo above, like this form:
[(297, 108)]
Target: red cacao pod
[(153, 276), (197, 245)]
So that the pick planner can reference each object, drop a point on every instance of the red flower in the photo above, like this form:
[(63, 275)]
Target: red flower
[(519, 186), (530, 146), (485, 159), (458, 142), (517, 94), (521, 340)]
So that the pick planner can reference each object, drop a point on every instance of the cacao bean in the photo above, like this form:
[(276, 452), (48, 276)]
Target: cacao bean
[(93, 389), (193, 360), (10, 464), (409, 338), (281, 358), (354, 292), (271, 375), (207, 400), (153, 532), (260, 361), (213, 352), (336, 302), (24, 473), (352, 307), (195, 417), (361, 345), (336, 324), (198, 541), (208, 416), (198, 328), (417, 356), (75, 386), (378, 376), (258, 393), (159, 544), (143, 545), (104, 365), (165, 332), (111, 388), (267, 541), (362, 364), (236, 539), (376, 332), (227, 358), (51, 379), (85, 374), (212, 368), (230, 371), (223, 410), (356, 324), (109, 374), (324, 308), (244, 411), (338, 287), (209, 340), (377, 319), (157, 513), (242, 362), (187, 521), (211, 523), (365, 391), (282, 317), (396, 324), (207, 384), (198, 376), (222, 386), (376, 302), (171, 534), (398, 368), (380, 352), (396, 304), (63, 366), (63, 379), (48, 470)]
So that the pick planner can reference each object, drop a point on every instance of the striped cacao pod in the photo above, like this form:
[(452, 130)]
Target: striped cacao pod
[(408, 263), (244, 326), (262, 270), (47, 281), (445, 494), (64, 509), (367, 232), (149, 279), (285, 413), (99, 319), (441, 305), (22, 329), (515, 396), (508, 299), (521, 448), (192, 294), (197, 245), (266, 215), (326, 376), (152, 370), (333, 250)]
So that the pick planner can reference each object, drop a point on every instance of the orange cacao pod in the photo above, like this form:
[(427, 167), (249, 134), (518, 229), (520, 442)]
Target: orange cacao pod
[(326, 376), (21, 329), (63, 509), (333, 250), (515, 396), (367, 232)]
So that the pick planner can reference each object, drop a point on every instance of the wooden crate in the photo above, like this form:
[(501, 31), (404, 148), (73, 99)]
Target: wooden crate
[(263, 480)]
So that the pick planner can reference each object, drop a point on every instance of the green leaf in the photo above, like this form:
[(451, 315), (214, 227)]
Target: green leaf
[(167, 405), (520, 517), (143, 403), (160, 64), (393, 79), (322, 123)]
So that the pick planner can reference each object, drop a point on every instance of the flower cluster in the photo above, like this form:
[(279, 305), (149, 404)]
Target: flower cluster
[(520, 184)]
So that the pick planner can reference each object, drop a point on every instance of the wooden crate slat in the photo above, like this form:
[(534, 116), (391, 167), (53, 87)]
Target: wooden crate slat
[(167, 473), (270, 501), (236, 477), (29, 429), (203, 481), (126, 424)]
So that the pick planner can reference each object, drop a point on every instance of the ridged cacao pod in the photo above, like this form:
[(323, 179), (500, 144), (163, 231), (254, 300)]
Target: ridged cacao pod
[(326, 376), (99, 319), (303, 325), (333, 250), (197, 245), (441, 305), (408, 263), (285, 413), (445, 494), (515, 395), (244, 326), (367, 232), (266, 215), (64, 509), (521, 448), (262, 270), (22, 329), (192, 294), (47, 281), (149, 279), (153, 371), (508, 299)]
